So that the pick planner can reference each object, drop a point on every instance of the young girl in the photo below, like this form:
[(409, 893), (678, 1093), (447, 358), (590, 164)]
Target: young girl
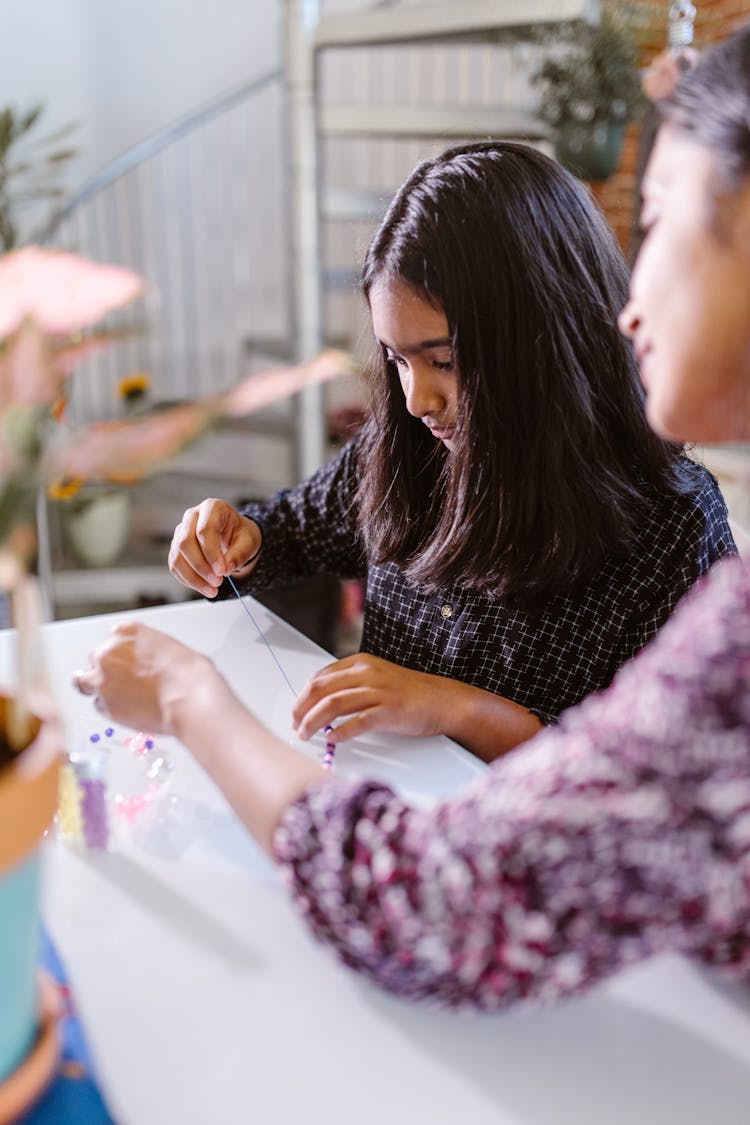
[(522, 531), (622, 832)]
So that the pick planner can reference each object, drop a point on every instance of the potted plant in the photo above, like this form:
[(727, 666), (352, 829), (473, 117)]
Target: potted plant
[(46, 301), (590, 88), (31, 168), (28, 797), (50, 303)]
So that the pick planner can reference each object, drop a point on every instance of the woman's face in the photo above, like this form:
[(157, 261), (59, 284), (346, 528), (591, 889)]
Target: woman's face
[(416, 339), (689, 308)]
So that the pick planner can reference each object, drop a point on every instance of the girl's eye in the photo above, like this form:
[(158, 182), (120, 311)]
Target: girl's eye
[(443, 365), (398, 360)]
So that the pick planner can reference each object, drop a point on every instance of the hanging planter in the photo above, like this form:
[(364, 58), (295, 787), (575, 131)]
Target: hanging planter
[(590, 150), (590, 88)]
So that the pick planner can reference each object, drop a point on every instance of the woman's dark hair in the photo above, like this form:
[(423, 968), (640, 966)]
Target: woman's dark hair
[(711, 103), (554, 463)]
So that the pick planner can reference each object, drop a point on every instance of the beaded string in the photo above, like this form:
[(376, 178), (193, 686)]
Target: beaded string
[(330, 750)]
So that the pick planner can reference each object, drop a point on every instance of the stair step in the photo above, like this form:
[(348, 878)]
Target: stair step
[(429, 22), (430, 121)]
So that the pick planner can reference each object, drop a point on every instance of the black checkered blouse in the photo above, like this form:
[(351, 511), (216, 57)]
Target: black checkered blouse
[(546, 660)]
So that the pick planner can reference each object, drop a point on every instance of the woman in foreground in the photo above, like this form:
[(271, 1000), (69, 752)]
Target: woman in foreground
[(624, 831)]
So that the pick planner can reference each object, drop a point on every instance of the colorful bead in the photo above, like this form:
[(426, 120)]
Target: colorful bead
[(330, 749), (140, 742), (69, 822), (94, 809), (130, 808), (88, 797)]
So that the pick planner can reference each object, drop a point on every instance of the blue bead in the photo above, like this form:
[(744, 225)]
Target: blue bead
[(94, 737)]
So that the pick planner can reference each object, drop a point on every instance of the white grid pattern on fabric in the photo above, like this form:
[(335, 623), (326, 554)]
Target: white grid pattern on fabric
[(547, 660)]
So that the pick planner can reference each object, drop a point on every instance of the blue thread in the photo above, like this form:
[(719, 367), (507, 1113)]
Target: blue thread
[(262, 636)]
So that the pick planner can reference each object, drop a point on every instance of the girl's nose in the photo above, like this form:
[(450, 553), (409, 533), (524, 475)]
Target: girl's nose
[(423, 395)]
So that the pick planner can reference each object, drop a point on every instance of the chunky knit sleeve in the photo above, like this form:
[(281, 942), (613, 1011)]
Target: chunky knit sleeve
[(621, 832)]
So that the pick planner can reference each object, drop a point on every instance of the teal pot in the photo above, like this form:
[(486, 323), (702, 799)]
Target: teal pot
[(590, 151), (28, 799)]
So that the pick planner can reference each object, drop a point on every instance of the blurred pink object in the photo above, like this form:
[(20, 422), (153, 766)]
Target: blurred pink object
[(258, 391), (60, 292)]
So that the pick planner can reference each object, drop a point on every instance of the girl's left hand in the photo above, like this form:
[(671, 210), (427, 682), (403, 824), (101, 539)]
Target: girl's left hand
[(377, 695)]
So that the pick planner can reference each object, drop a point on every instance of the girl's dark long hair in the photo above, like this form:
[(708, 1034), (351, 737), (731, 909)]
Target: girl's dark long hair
[(554, 463)]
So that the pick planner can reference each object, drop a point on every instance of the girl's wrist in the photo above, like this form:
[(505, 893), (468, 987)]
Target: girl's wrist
[(248, 564), (454, 708)]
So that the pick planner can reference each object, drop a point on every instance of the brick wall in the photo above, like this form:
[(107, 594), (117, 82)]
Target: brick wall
[(714, 21)]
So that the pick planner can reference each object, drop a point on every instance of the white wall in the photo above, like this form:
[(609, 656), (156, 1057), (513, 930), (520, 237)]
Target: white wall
[(123, 71)]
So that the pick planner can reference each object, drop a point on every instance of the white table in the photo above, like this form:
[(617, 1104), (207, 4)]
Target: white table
[(205, 1000)]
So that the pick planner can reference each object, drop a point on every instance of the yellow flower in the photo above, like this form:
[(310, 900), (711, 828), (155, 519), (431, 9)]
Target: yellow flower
[(134, 387), (64, 488)]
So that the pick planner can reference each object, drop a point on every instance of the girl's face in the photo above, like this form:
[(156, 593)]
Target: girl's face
[(689, 308), (416, 340)]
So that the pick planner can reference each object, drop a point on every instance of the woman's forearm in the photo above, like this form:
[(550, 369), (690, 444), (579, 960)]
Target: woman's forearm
[(150, 681), (258, 773)]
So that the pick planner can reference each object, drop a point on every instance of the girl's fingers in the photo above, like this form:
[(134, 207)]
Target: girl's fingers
[(329, 681), (206, 583), (331, 708), (357, 725)]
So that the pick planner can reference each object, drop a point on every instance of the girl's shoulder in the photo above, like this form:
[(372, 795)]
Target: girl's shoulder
[(694, 514), (699, 662)]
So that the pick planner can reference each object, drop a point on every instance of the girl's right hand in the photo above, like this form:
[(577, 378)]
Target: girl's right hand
[(211, 541)]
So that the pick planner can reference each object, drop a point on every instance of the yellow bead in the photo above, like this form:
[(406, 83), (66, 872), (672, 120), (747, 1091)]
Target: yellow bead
[(69, 822)]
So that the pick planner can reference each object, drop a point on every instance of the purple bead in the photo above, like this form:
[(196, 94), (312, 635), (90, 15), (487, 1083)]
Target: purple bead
[(149, 744), (94, 810), (94, 737), (109, 731)]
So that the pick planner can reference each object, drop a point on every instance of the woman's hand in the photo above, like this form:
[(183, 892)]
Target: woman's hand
[(144, 679), (211, 541), (148, 681), (376, 694), (372, 694)]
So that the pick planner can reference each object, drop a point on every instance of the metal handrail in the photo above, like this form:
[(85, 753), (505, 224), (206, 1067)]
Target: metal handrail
[(154, 144), (199, 210)]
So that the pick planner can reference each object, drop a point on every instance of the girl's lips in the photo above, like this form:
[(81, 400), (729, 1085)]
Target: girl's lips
[(442, 435)]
